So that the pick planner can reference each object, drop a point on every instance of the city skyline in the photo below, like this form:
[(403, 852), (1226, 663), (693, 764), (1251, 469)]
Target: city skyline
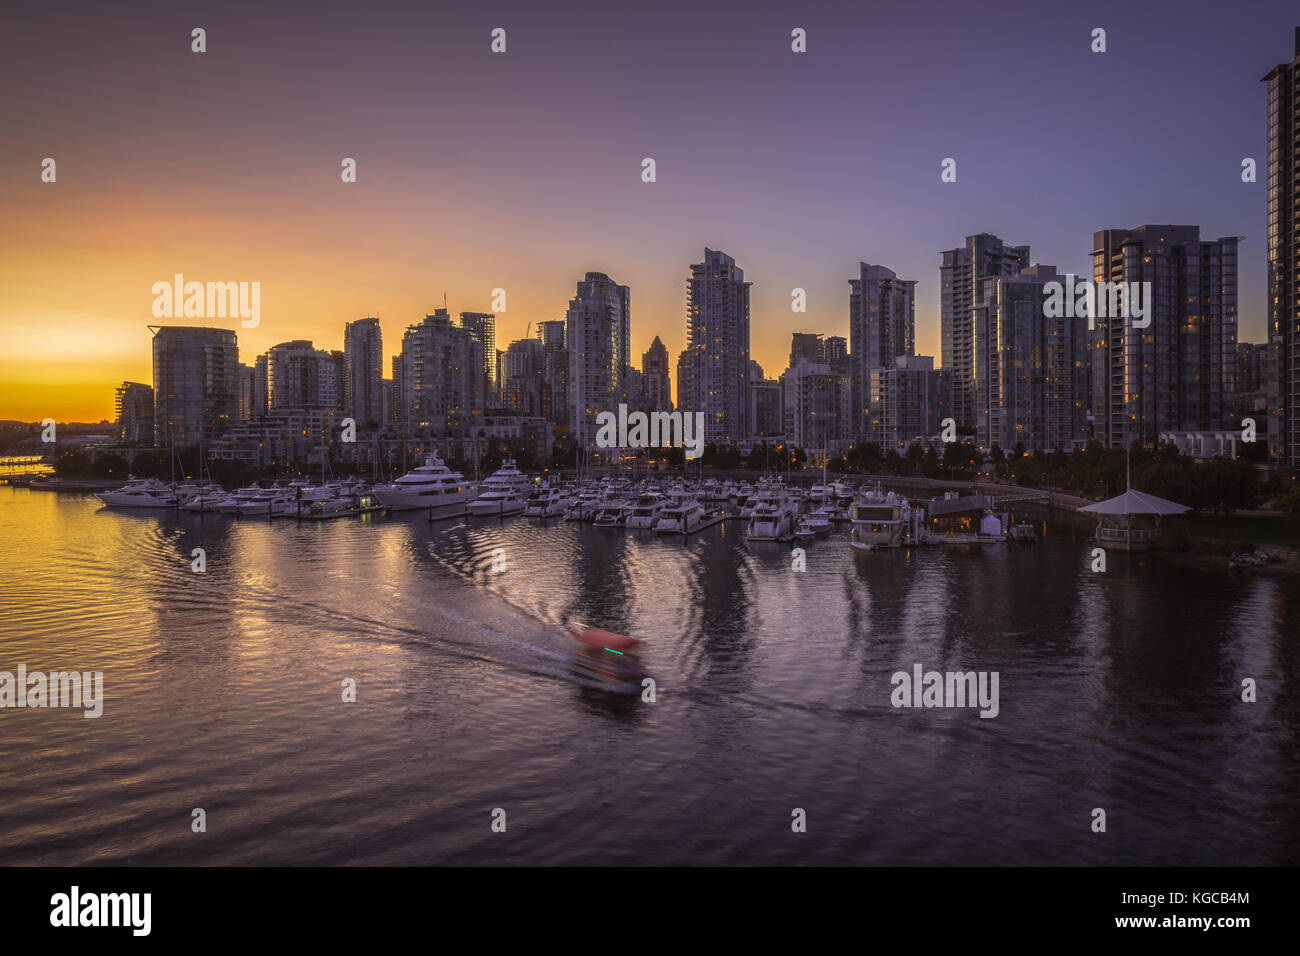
[(252, 192)]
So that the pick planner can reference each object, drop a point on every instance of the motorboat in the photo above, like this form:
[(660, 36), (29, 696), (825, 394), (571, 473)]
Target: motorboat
[(711, 489), (432, 486), (229, 505), (682, 515), (773, 515), (878, 520), (272, 504), (202, 498), (584, 505), (611, 514), (645, 511), (840, 492), (325, 505), (608, 658), (142, 493), (502, 492), (820, 520), (546, 501)]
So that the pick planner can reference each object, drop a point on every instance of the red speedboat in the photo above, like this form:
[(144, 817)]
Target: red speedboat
[(608, 657)]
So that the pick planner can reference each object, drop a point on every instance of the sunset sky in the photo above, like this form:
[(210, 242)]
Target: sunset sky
[(522, 170)]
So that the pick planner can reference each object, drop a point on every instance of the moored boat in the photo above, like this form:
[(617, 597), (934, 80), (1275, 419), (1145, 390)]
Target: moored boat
[(431, 486), (773, 515), (145, 493), (878, 520), (502, 493)]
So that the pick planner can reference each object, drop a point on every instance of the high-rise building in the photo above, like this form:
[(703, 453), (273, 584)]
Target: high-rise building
[(765, 415), (1252, 367), (717, 335), (814, 403), (195, 383), (495, 393), (340, 360), (835, 353), (1175, 373), (302, 377), (1283, 386), (261, 387), (247, 391), (882, 326), (483, 326), (442, 376), (959, 290), (555, 368), (1031, 369), (598, 326), (634, 389), (1254, 373), (551, 334), (135, 413), (912, 398), (363, 349), (522, 381), (806, 347), (658, 389), (685, 378), (401, 410)]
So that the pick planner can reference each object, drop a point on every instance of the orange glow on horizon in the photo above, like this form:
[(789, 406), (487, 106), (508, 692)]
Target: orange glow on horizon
[(77, 296)]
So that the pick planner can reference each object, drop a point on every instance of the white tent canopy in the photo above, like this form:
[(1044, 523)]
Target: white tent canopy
[(1134, 502)]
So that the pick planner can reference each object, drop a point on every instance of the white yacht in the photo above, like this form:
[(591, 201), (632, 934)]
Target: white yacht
[(433, 487), (229, 503), (711, 490), (878, 520), (774, 514), (270, 504), (325, 502), (143, 493), (545, 502), (584, 505), (683, 514), (840, 492), (612, 513), (645, 511), (204, 499), (820, 521), (502, 493)]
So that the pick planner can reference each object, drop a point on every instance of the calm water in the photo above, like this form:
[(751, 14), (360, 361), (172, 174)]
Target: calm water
[(222, 691)]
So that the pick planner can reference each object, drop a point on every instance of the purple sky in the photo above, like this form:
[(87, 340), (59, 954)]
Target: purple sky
[(521, 170)]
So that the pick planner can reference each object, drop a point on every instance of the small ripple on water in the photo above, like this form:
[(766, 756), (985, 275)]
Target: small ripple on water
[(223, 691)]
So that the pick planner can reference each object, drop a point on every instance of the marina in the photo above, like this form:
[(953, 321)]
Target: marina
[(771, 509)]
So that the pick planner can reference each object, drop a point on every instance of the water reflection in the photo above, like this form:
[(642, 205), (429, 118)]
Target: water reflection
[(1120, 690)]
